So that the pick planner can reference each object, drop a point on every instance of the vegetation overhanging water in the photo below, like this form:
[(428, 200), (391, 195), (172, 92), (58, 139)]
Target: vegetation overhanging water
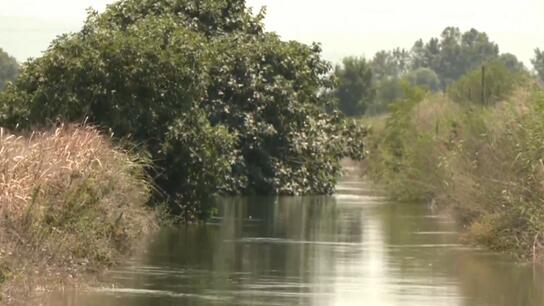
[(155, 107), (353, 248)]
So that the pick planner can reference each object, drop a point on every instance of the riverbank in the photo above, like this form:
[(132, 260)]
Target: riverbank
[(484, 163), (71, 203)]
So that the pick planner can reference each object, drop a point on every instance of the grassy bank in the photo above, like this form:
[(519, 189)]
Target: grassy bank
[(485, 163), (70, 202)]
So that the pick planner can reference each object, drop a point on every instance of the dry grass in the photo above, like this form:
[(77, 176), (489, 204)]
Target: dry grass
[(69, 201)]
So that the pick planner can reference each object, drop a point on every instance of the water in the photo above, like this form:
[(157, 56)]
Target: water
[(354, 248)]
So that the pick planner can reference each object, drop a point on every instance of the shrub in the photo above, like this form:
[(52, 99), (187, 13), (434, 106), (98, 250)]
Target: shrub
[(387, 92), (499, 83), (484, 163), (425, 78), (393, 154)]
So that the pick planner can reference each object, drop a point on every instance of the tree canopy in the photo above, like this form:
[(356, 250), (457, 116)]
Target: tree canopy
[(538, 63), (390, 64), (220, 104), (511, 62), (355, 91), (425, 78), (454, 53), (8, 68), (433, 65)]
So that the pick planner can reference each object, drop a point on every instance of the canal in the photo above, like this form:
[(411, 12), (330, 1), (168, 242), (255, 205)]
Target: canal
[(352, 248)]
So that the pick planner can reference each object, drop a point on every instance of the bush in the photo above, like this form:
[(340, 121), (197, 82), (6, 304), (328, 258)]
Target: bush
[(197, 159), (499, 84), (392, 154), (387, 92), (425, 78), (484, 163)]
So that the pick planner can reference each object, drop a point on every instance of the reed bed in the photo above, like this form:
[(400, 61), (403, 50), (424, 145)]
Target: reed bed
[(70, 201), (484, 163)]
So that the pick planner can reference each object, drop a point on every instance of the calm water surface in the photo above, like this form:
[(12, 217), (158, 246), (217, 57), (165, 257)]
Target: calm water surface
[(354, 248)]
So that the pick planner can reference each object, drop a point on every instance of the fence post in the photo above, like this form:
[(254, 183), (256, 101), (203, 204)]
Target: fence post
[(484, 102)]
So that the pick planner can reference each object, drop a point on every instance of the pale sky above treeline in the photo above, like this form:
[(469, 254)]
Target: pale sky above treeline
[(343, 27)]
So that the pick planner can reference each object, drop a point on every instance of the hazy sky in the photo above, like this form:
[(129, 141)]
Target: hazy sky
[(344, 27)]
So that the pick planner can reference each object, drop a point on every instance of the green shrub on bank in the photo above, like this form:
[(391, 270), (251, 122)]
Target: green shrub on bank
[(392, 152), (220, 104), (508, 173), (484, 163)]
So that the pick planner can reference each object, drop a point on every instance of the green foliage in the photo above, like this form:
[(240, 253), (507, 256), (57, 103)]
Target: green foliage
[(454, 54), (485, 163), (4, 274), (522, 216), (8, 68), (511, 62), (387, 92), (392, 90), (209, 17), (538, 63), (119, 79), (499, 83), (220, 104), (196, 160), (267, 92), (432, 65), (503, 146), (355, 91), (394, 152), (390, 64), (424, 77)]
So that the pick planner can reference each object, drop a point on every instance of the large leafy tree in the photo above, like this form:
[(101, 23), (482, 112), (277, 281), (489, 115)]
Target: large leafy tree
[(390, 64), (425, 54), (8, 68), (477, 48), (388, 71), (355, 90), (219, 103), (538, 63)]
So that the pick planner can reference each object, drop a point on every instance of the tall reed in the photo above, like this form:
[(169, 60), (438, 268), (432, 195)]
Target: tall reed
[(69, 201)]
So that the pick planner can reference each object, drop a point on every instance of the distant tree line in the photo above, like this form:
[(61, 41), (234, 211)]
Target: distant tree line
[(369, 86)]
